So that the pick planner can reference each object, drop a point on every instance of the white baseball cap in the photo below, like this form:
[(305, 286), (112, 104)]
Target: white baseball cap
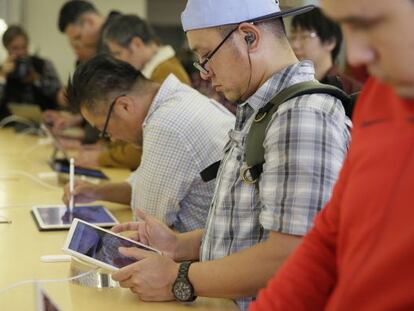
[(212, 13)]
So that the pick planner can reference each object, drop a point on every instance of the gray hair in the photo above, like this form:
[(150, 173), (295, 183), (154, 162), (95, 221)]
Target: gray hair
[(98, 80)]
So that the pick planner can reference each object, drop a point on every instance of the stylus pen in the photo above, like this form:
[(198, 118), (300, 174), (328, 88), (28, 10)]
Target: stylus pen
[(71, 184)]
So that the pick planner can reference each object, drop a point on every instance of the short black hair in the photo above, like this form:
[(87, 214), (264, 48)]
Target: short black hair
[(326, 29), (99, 79), (12, 32), (71, 11), (123, 28)]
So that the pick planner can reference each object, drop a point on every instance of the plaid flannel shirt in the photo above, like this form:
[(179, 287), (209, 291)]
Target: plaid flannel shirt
[(305, 144)]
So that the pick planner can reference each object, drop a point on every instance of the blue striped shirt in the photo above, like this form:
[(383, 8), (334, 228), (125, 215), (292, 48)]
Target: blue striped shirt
[(183, 133)]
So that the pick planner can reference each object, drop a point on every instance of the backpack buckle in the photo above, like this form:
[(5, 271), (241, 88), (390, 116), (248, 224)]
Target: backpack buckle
[(246, 179), (260, 116)]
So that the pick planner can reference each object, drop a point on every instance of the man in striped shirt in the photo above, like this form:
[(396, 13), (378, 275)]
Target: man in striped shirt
[(180, 130)]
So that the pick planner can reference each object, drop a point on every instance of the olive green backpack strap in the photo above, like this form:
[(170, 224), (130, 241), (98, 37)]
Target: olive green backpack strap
[(254, 151)]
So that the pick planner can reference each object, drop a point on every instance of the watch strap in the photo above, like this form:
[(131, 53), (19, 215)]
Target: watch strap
[(183, 270)]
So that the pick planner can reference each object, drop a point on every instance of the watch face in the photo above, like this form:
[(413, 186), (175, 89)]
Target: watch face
[(182, 291)]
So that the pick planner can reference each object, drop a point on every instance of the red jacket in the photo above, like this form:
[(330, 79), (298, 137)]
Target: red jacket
[(360, 254)]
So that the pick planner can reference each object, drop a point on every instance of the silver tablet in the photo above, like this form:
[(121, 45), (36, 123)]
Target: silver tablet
[(99, 247), (57, 217)]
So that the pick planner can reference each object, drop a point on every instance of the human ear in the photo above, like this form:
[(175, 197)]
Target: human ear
[(251, 35), (136, 43), (123, 106)]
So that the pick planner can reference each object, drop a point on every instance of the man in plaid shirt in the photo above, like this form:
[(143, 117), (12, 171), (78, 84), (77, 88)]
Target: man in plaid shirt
[(251, 228)]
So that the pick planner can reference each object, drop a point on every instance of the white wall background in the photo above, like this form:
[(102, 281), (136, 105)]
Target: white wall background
[(39, 17)]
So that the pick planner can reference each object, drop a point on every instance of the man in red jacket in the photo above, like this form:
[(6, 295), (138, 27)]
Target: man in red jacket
[(360, 253)]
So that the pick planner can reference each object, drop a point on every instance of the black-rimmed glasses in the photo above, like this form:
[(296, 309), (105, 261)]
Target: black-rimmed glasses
[(104, 134), (202, 66)]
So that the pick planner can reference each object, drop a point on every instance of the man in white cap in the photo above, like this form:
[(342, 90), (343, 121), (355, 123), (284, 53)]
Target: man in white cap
[(252, 227)]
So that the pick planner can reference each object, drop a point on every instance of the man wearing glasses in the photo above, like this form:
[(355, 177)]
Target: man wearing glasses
[(252, 227), (181, 132), (316, 37)]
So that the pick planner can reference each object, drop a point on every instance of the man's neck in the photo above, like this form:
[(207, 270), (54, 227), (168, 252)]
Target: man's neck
[(322, 68), (268, 67), (150, 95), (152, 49)]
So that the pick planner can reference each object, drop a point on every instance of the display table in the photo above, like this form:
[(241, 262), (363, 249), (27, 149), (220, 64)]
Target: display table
[(22, 245)]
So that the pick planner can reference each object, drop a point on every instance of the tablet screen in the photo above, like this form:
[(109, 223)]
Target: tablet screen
[(58, 217), (62, 165), (100, 245)]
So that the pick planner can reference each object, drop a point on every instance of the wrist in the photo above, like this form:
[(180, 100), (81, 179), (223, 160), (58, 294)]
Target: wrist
[(174, 272), (188, 246), (176, 248)]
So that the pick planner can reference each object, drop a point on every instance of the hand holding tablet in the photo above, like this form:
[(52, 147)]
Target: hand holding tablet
[(150, 230), (99, 246)]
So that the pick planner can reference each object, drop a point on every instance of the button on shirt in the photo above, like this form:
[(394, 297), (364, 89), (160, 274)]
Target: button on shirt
[(305, 144), (184, 132)]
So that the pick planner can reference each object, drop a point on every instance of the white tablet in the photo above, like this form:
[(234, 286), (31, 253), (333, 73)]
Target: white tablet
[(57, 217), (99, 246)]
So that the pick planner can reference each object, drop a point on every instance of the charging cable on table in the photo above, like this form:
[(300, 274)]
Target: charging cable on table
[(14, 285)]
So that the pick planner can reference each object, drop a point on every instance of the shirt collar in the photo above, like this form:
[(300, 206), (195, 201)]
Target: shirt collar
[(163, 53), (296, 73), (170, 85)]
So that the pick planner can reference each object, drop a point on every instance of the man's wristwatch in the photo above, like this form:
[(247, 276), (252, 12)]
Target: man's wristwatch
[(182, 288)]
